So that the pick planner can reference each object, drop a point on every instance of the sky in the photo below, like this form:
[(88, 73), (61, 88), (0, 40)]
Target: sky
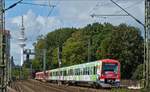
[(39, 20)]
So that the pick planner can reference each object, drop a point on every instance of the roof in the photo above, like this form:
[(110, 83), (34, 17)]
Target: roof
[(109, 61), (7, 32)]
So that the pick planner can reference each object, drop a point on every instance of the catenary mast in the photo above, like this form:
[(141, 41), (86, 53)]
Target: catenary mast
[(2, 60), (147, 43)]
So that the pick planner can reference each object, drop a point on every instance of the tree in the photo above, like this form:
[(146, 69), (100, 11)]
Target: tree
[(122, 42), (138, 74), (74, 50), (125, 44), (51, 41)]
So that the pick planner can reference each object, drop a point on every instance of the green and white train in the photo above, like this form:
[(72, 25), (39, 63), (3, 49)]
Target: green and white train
[(98, 73)]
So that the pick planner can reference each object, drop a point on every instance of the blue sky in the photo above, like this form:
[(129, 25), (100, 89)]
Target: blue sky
[(67, 13)]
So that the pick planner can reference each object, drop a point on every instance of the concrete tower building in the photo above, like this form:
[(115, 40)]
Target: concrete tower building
[(22, 43)]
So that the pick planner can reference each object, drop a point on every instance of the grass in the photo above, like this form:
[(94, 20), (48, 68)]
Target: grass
[(124, 90)]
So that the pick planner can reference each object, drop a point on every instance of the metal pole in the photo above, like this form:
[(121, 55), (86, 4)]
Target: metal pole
[(59, 62), (89, 49), (2, 50), (44, 60), (147, 43), (11, 61), (31, 70)]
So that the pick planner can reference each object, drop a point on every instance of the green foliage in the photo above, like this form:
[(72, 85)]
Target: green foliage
[(120, 90), (145, 90), (107, 41), (74, 50), (24, 72), (50, 42), (37, 65), (138, 74), (125, 44), (15, 72)]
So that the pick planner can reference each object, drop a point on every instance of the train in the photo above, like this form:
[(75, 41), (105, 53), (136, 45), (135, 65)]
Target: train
[(100, 73)]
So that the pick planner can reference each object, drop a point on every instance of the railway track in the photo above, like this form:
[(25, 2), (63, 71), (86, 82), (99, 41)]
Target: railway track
[(67, 88), (37, 86)]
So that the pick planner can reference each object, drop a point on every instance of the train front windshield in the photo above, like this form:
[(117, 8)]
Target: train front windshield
[(110, 67)]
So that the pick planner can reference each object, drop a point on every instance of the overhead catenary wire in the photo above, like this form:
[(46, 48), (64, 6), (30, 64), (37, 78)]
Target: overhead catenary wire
[(130, 6), (44, 5), (51, 10), (36, 4), (115, 15), (98, 4), (128, 13)]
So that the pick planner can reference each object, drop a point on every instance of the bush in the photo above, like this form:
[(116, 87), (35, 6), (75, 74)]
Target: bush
[(138, 74), (120, 90)]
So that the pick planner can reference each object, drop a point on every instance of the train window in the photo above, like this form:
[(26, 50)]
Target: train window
[(84, 71), (88, 70), (91, 70), (50, 74), (110, 67), (60, 73), (94, 70), (75, 71), (65, 72), (71, 71), (53, 73), (81, 71), (68, 72), (78, 71), (56, 73)]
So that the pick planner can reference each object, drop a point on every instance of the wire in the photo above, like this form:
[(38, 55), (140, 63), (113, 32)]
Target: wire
[(131, 6), (98, 4), (52, 8), (128, 13), (36, 4), (13, 5)]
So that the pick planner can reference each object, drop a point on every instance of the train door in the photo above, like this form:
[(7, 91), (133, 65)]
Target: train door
[(99, 68)]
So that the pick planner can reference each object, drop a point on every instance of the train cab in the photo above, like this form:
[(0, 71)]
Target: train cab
[(110, 72)]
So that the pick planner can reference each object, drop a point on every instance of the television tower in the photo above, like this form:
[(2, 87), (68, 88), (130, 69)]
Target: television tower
[(22, 43)]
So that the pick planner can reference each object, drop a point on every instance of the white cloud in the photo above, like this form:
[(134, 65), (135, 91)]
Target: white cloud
[(35, 25), (71, 13)]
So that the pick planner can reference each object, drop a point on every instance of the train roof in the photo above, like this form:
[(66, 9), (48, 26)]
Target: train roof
[(109, 61), (88, 64)]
